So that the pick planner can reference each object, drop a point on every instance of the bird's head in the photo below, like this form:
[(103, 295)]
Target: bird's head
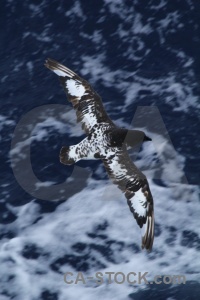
[(136, 137)]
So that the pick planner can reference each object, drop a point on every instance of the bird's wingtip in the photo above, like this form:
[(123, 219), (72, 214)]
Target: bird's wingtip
[(148, 237)]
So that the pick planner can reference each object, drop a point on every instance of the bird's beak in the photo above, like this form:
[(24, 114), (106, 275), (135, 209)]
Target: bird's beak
[(146, 138)]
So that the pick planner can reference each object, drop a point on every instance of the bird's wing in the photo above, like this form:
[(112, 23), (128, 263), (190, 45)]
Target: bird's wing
[(134, 184), (86, 102)]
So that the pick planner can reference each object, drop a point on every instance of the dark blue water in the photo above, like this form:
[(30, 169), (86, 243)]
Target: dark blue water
[(113, 44)]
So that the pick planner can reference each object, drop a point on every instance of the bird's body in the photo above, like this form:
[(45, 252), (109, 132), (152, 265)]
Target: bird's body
[(94, 146), (107, 142)]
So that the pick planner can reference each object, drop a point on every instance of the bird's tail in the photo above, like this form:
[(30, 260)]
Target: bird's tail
[(65, 157)]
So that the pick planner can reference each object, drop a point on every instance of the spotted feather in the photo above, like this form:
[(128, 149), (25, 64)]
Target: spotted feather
[(107, 142), (87, 103)]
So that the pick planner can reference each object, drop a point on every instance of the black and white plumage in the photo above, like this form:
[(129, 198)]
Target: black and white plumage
[(107, 142)]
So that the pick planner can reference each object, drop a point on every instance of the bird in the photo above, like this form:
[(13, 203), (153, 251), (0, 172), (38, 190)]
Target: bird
[(110, 143)]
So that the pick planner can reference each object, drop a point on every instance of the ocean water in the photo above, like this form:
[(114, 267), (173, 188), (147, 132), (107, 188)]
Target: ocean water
[(143, 59)]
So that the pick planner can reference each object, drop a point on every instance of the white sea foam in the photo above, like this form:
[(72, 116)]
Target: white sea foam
[(98, 216)]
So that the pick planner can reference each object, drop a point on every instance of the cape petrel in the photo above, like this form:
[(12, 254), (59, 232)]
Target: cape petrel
[(107, 142)]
